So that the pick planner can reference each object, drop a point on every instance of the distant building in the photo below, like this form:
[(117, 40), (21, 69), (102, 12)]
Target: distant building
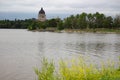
[(41, 15)]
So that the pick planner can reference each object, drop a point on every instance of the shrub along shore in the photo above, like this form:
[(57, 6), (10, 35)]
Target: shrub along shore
[(77, 70)]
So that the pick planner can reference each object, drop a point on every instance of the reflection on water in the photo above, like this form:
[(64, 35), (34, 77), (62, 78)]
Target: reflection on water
[(82, 48), (21, 50)]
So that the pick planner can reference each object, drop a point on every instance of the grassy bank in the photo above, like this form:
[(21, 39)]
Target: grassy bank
[(77, 70), (99, 30)]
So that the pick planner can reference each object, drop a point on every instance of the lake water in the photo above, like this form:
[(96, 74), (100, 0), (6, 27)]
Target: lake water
[(22, 50)]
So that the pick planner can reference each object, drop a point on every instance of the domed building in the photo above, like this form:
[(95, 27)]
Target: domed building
[(41, 15)]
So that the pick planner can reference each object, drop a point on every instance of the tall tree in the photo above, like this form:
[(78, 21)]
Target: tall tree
[(83, 21), (117, 21)]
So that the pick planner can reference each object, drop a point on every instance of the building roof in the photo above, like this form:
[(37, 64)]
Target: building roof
[(41, 11)]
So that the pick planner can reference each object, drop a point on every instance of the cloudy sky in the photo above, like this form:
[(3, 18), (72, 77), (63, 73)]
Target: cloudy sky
[(108, 7)]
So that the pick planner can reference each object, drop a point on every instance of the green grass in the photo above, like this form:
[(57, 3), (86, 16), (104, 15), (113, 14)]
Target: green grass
[(77, 70)]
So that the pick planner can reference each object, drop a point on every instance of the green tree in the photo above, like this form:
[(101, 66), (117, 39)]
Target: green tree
[(117, 22), (52, 23), (99, 19), (32, 26), (60, 25), (83, 20), (108, 22), (90, 20), (67, 22)]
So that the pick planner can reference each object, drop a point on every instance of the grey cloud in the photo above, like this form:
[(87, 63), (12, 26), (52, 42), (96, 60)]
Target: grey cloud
[(61, 6)]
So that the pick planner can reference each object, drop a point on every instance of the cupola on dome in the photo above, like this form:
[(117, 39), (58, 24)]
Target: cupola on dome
[(41, 11)]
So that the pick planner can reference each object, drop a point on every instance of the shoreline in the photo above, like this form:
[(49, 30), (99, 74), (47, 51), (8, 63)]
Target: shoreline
[(100, 31)]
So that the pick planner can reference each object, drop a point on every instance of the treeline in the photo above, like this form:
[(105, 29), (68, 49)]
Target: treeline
[(29, 24), (15, 24), (79, 21), (91, 21)]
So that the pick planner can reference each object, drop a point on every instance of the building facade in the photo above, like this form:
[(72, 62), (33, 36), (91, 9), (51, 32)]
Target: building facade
[(41, 15)]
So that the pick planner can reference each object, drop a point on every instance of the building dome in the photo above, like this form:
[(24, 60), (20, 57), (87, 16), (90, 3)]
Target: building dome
[(41, 11), (41, 15)]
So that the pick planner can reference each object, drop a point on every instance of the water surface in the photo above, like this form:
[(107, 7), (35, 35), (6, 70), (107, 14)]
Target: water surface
[(21, 50)]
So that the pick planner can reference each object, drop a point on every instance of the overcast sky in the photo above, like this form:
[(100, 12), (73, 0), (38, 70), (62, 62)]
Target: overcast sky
[(110, 7)]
